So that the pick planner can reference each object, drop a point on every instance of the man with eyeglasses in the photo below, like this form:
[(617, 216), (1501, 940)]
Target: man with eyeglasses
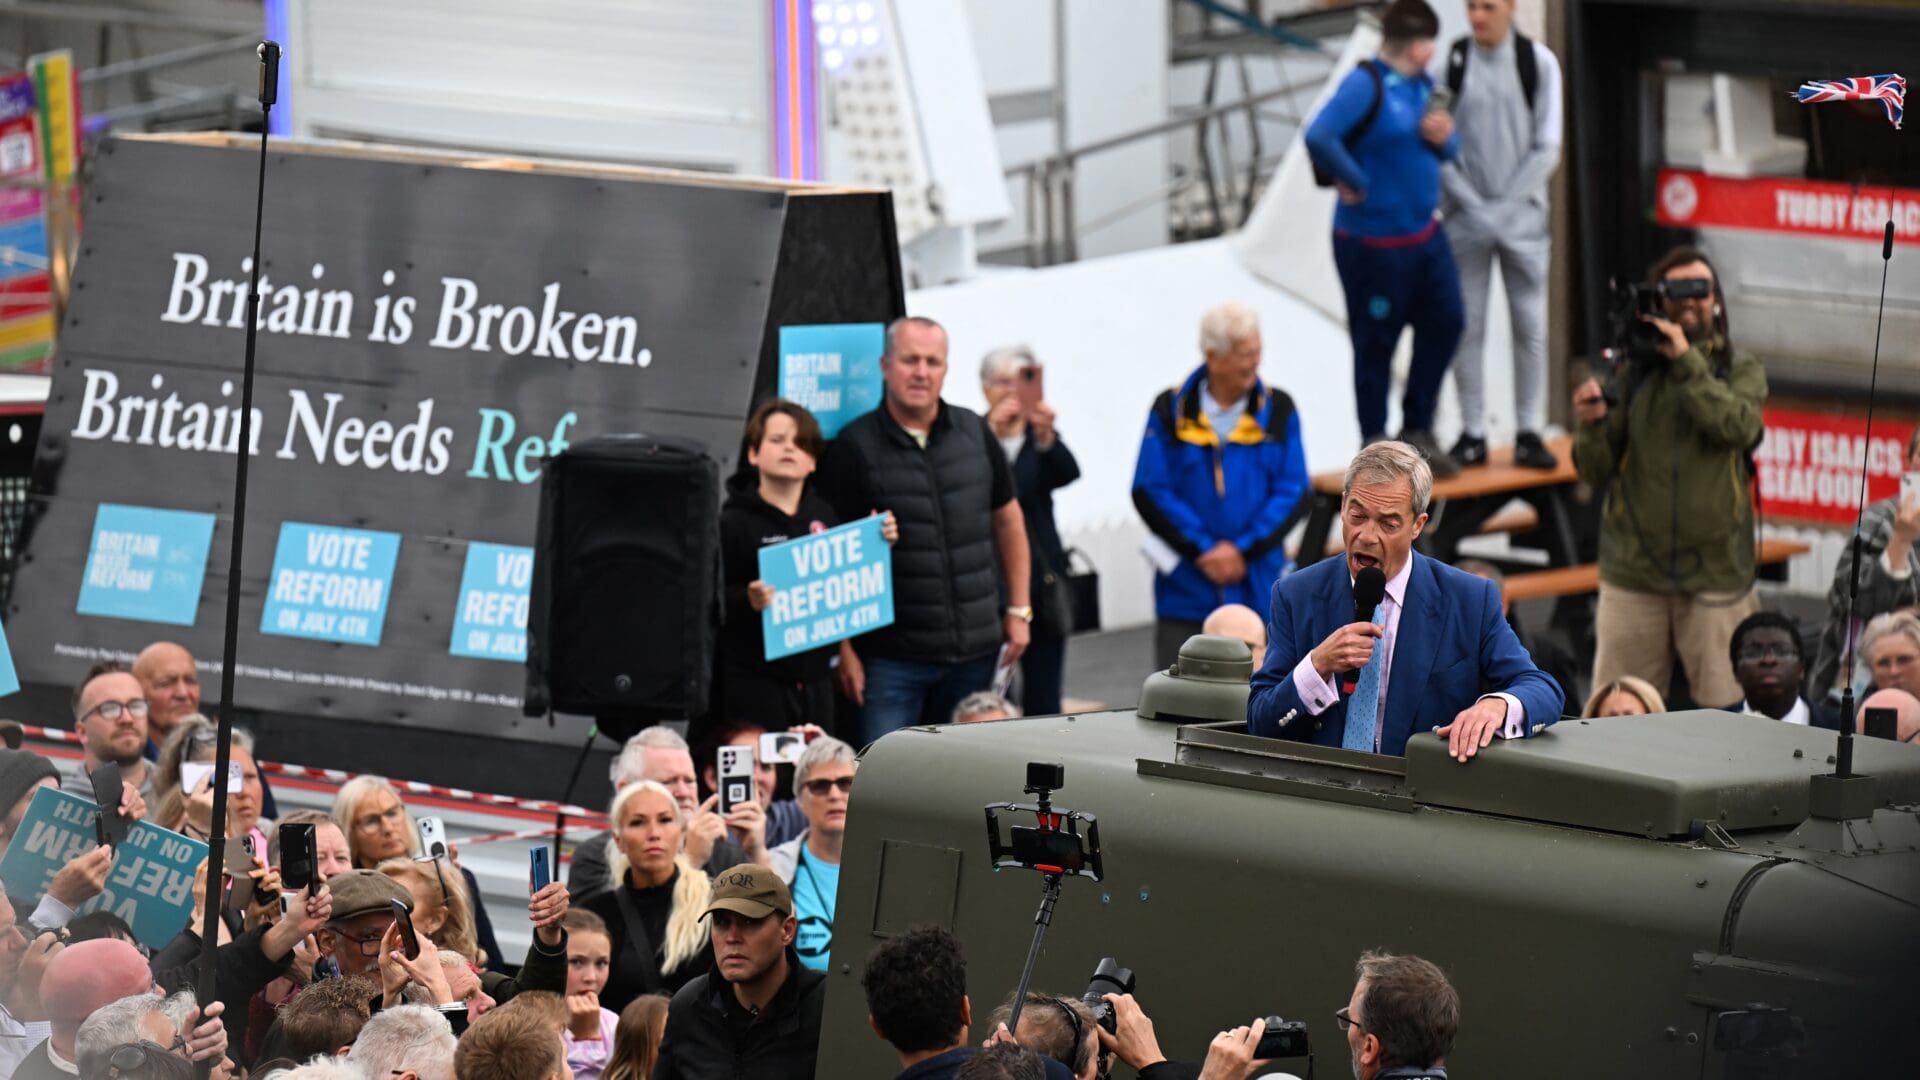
[(810, 862), (1770, 667), (110, 715), (1402, 1019)]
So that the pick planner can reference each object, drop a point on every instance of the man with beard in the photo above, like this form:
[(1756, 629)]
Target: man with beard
[(110, 713), (1674, 455)]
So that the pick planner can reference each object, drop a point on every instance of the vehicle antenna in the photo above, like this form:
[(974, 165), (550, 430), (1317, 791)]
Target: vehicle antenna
[(1843, 757)]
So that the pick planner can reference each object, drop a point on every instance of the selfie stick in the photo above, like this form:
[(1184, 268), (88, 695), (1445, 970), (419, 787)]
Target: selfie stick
[(1041, 920), (1843, 758), (269, 53)]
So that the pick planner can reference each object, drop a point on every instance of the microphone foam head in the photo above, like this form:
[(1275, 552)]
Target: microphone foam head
[(1369, 586)]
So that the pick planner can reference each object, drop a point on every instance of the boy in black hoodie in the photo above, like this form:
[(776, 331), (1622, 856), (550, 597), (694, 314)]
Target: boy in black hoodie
[(767, 504)]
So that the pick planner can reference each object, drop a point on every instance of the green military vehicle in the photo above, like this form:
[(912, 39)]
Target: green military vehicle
[(1649, 896)]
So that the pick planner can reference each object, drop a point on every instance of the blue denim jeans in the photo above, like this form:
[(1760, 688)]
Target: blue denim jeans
[(902, 693)]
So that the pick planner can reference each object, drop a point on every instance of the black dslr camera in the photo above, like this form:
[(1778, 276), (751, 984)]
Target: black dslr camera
[(1108, 978)]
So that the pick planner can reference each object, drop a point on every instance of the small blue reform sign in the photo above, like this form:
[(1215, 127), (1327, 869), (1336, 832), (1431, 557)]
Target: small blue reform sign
[(330, 583), (491, 621), (834, 371), (829, 586), (146, 564), (149, 884)]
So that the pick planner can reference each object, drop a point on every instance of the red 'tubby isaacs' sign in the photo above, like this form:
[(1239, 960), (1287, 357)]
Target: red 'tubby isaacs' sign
[(1809, 464), (1694, 200)]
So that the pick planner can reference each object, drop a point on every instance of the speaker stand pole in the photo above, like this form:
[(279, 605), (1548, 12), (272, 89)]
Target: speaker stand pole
[(566, 800)]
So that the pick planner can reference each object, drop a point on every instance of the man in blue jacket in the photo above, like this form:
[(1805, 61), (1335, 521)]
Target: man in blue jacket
[(1436, 654), (1383, 145), (1221, 478)]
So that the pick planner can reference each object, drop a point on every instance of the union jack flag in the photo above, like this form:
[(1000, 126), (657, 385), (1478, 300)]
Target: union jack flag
[(1888, 90)]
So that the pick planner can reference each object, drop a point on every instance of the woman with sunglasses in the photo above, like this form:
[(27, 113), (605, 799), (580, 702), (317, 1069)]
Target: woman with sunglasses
[(810, 862), (378, 827)]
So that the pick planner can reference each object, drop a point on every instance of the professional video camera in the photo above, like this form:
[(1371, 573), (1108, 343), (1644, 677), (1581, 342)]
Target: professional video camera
[(1634, 301)]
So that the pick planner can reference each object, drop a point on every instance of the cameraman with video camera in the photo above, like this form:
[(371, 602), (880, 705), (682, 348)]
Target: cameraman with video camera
[(1671, 442)]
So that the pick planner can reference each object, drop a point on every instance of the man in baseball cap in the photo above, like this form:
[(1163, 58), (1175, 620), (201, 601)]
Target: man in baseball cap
[(759, 1007)]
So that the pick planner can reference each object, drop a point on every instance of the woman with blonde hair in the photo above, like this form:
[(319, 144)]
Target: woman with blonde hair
[(1628, 695), (441, 907), (654, 911), (379, 827), (195, 740), (636, 1039)]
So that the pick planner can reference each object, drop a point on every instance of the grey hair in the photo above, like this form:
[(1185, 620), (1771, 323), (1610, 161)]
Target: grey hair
[(1891, 622), (1006, 358), (322, 1067), (983, 701), (1387, 461), (825, 750), (118, 1023), (1225, 324), (629, 765), (893, 329), (406, 1038)]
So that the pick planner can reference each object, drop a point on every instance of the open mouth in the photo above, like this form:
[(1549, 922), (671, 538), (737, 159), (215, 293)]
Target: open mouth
[(1361, 560)]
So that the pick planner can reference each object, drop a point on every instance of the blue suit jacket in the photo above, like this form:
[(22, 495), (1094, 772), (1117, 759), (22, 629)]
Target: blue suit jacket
[(1453, 646)]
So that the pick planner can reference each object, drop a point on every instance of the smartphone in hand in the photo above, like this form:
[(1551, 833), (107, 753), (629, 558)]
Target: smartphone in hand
[(298, 864), (403, 919), (433, 838), (539, 872), (110, 827), (734, 771)]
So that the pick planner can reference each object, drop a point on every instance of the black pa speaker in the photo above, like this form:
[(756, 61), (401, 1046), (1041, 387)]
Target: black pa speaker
[(626, 582)]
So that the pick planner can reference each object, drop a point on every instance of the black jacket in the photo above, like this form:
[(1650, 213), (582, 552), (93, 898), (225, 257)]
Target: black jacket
[(946, 570), (629, 975), (240, 970), (747, 524), (711, 1036)]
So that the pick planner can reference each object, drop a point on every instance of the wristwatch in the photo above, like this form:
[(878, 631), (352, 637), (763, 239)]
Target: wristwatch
[(1022, 612)]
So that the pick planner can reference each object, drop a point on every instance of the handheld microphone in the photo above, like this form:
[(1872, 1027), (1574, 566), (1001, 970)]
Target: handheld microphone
[(1369, 588)]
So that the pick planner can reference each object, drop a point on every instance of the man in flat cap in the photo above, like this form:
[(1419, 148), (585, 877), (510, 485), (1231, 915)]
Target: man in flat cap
[(757, 1013)]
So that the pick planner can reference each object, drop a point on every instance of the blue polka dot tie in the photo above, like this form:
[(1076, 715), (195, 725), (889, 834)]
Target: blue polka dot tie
[(1363, 708)]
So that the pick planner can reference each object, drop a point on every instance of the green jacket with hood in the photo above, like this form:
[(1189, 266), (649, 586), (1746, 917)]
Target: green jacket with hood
[(1673, 459)]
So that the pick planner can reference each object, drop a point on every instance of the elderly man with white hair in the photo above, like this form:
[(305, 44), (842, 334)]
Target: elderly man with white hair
[(407, 1042), (1221, 479), (810, 862), (1022, 421)]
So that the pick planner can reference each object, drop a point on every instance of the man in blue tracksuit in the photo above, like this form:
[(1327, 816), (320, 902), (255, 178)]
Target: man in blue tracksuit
[(1222, 477), (1383, 146)]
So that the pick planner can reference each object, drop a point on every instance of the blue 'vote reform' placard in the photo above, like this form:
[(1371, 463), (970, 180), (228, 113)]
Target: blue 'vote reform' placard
[(490, 622), (149, 883), (829, 586), (330, 583)]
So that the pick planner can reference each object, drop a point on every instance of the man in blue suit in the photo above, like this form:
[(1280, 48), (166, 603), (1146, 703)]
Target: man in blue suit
[(1436, 656)]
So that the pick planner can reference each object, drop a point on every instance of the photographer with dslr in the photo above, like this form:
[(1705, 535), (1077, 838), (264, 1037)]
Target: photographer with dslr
[(1673, 451)]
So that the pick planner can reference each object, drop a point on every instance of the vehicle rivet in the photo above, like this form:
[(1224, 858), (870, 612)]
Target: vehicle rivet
[(1673, 1032), (1143, 894), (1797, 752), (1693, 1037), (1701, 884), (1106, 898)]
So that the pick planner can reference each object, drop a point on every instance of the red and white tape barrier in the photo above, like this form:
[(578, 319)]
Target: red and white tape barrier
[(413, 787)]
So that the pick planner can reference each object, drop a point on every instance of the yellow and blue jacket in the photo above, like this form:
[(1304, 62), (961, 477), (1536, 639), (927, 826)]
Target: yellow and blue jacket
[(1193, 491)]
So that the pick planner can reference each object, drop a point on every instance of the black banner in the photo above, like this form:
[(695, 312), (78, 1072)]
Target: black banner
[(429, 334)]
